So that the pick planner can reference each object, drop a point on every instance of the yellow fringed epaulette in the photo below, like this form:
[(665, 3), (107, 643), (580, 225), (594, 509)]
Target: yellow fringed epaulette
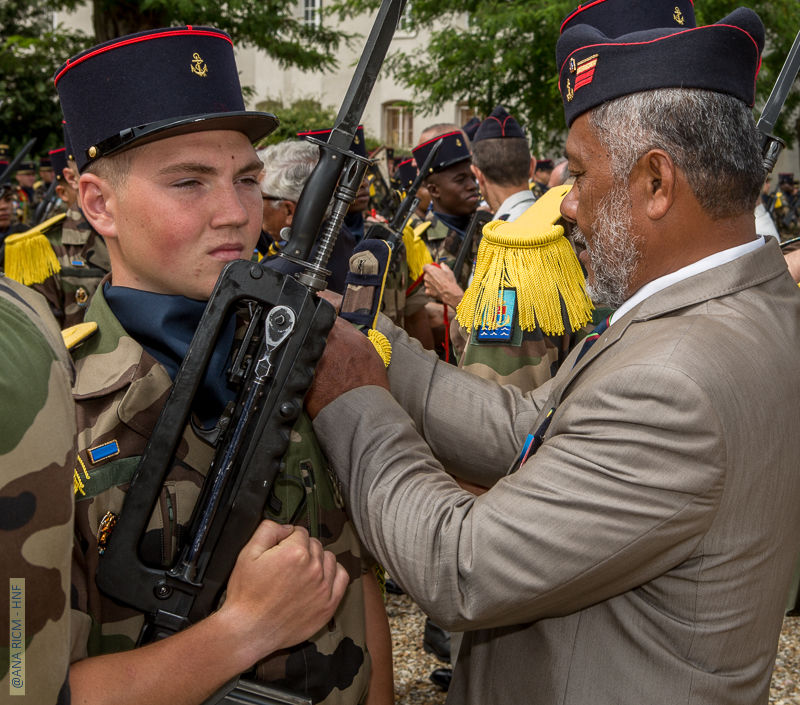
[(531, 256), (29, 257), (78, 333), (417, 252)]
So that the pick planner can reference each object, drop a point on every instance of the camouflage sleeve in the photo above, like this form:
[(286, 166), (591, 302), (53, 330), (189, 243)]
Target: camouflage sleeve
[(37, 457)]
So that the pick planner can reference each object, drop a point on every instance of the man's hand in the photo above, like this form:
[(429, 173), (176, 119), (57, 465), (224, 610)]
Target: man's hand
[(440, 283), (283, 589), (349, 361), (332, 298)]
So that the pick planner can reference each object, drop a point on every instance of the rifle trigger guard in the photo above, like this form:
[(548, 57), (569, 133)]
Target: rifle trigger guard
[(278, 326)]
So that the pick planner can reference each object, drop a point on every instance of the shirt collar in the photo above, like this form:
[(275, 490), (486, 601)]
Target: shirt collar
[(525, 196), (702, 265)]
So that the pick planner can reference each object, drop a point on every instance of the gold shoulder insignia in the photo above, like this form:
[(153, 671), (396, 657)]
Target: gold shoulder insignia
[(77, 334), (29, 256)]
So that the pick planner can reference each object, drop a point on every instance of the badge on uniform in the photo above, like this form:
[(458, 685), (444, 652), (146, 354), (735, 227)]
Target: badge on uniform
[(504, 320)]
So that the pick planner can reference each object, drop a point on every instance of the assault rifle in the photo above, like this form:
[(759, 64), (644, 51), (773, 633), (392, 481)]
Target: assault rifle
[(273, 370), (474, 229), (45, 209)]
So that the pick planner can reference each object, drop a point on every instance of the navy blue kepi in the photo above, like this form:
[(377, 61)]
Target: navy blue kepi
[(153, 84), (454, 149)]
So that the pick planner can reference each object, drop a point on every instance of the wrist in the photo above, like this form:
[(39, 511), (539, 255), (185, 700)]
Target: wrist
[(233, 638)]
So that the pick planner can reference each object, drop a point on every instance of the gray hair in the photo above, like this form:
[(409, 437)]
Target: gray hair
[(711, 137), (287, 166)]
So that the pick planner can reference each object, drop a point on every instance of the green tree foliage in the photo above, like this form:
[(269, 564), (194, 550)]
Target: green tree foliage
[(31, 49), (271, 25), (489, 52), (300, 116)]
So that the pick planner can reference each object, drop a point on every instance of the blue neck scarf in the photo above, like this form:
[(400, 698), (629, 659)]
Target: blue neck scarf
[(164, 326), (459, 223)]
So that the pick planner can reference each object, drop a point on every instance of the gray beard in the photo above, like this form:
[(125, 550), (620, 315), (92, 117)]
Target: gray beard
[(613, 254)]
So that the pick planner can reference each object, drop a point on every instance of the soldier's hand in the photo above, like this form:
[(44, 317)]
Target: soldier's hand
[(440, 283), (283, 588), (349, 361)]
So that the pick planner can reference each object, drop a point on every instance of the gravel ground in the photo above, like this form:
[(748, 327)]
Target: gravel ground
[(412, 665)]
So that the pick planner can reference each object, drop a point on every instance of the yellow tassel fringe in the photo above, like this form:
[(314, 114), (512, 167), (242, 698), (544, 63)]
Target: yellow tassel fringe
[(541, 267), (382, 345), (29, 257), (417, 253)]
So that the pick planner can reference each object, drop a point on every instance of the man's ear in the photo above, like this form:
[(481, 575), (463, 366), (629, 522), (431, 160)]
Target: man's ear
[(532, 169), (479, 177), (433, 186), (98, 203), (289, 208), (654, 179)]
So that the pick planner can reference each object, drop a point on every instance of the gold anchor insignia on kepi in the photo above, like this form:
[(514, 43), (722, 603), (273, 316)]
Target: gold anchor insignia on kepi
[(199, 67), (570, 92), (678, 16)]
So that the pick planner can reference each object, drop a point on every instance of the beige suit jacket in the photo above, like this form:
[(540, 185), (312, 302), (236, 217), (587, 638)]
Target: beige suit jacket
[(644, 554)]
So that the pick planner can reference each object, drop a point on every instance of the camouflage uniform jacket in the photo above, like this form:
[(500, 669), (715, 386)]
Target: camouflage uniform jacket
[(37, 454), (120, 390), (526, 362), (83, 257)]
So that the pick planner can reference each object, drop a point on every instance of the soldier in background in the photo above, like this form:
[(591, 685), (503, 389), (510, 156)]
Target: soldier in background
[(8, 217), (454, 197), (502, 164), (541, 177), (37, 456), (785, 206), (26, 194), (46, 173), (80, 251)]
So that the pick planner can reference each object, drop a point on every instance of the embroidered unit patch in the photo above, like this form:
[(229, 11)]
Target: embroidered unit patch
[(504, 320)]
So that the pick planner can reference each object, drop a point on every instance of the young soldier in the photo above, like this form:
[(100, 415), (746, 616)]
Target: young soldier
[(170, 179), (454, 197)]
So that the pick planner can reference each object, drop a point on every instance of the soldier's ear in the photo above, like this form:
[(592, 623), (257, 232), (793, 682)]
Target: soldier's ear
[(433, 186), (97, 200), (532, 169)]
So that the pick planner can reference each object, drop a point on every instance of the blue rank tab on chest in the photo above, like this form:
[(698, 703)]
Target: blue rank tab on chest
[(504, 320), (101, 452)]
